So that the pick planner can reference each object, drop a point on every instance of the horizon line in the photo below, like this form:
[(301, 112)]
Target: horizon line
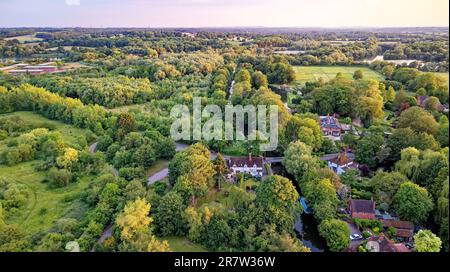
[(222, 27)]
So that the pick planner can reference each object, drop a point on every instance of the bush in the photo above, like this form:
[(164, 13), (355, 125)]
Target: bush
[(160, 187), (368, 224), (366, 234), (3, 134), (59, 177)]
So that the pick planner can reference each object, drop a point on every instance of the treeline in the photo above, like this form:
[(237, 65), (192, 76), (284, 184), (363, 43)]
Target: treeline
[(429, 51), (413, 80), (342, 54), (107, 91)]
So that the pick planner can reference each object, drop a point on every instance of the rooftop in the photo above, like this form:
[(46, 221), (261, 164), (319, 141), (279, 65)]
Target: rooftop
[(246, 161), (362, 206)]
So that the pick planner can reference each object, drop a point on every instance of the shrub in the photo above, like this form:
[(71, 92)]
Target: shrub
[(59, 177)]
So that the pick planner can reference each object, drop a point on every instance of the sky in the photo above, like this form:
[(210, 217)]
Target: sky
[(223, 13)]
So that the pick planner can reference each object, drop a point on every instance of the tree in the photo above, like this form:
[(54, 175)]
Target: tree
[(221, 168), (413, 202), (368, 148), (194, 163), (405, 137), (134, 190), (442, 135), (442, 214), (259, 80), (272, 241), (389, 95), (432, 103), (336, 234), (426, 241), (322, 196), (418, 120), (358, 74), (299, 162), (281, 73), (278, 192), (125, 124), (68, 159), (134, 219), (386, 185), (104, 142), (52, 242), (59, 177), (217, 233), (304, 129), (169, 215), (243, 76), (154, 245)]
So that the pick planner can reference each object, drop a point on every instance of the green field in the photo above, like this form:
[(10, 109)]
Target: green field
[(68, 132), (182, 244), (44, 205), (25, 38), (313, 73)]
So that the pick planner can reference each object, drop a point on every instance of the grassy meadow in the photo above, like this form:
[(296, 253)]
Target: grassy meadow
[(313, 73), (44, 205)]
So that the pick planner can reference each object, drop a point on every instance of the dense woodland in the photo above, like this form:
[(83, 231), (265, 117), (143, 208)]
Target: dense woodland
[(122, 95)]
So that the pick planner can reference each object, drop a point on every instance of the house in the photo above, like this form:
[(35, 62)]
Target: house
[(404, 229), (342, 162), (250, 165), (382, 244), (362, 209), (331, 128)]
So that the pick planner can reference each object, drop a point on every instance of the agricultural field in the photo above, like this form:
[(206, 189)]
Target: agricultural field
[(25, 38), (312, 73)]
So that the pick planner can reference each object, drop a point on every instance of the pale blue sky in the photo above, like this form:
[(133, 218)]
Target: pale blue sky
[(200, 13)]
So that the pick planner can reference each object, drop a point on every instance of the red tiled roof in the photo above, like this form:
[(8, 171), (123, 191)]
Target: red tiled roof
[(401, 248), (341, 159), (362, 206), (398, 224), (404, 233)]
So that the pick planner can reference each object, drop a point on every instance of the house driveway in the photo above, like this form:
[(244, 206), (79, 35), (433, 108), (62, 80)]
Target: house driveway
[(354, 230)]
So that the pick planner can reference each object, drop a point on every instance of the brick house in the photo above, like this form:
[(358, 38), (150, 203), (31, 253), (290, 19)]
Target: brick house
[(404, 229), (362, 209)]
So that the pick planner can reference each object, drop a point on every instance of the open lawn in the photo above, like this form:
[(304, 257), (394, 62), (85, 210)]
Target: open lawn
[(182, 244), (313, 73)]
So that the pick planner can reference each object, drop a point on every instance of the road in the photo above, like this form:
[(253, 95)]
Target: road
[(354, 230)]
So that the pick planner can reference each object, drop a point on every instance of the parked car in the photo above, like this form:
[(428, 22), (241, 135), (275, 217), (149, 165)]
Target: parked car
[(355, 237)]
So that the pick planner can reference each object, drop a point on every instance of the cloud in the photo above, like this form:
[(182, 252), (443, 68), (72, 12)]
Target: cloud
[(73, 2)]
